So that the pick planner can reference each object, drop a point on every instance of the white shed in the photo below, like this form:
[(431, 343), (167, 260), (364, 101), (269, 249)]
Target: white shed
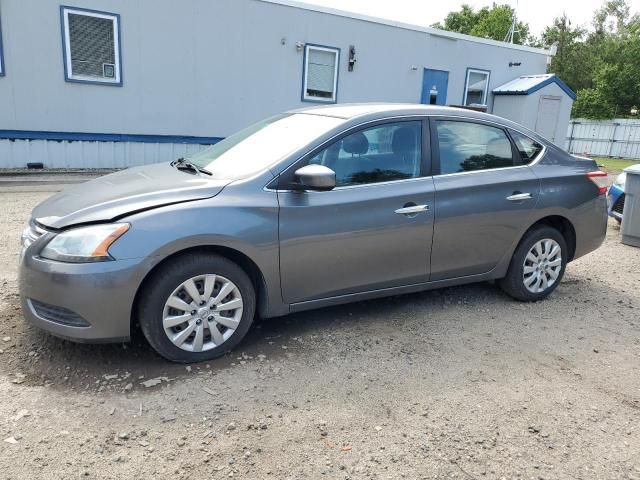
[(539, 102)]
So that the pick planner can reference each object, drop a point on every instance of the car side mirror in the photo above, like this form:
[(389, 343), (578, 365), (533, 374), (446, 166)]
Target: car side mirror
[(316, 177)]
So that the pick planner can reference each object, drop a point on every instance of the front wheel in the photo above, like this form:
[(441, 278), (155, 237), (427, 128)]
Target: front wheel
[(196, 307), (537, 265)]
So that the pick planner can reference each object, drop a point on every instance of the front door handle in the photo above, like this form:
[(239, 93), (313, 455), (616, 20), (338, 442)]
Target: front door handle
[(519, 197), (412, 209)]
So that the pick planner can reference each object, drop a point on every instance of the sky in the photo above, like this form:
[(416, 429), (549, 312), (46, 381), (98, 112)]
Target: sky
[(538, 14)]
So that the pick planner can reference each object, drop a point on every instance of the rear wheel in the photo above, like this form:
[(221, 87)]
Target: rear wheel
[(537, 265), (196, 307)]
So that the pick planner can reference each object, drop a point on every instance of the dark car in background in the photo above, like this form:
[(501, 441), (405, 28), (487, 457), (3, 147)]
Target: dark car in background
[(311, 208)]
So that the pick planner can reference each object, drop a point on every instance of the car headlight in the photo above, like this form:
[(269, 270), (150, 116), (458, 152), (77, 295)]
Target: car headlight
[(84, 244), (620, 180)]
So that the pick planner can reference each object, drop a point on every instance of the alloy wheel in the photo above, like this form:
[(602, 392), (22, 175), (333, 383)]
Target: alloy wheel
[(202, 313), (542, 265)]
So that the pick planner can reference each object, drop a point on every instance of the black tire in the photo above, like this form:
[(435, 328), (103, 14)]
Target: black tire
[(513, 283), (166, 279)]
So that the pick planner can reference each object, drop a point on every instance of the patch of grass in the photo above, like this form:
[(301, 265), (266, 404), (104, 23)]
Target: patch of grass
[(614, 165)]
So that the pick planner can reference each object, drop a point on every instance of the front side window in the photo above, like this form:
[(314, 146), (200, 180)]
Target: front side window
[(476, 87), (91, 44), (466, 146), (383, 153), (320, 81), (528, 149)]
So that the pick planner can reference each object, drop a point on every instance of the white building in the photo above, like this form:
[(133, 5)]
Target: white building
[(97, 83)]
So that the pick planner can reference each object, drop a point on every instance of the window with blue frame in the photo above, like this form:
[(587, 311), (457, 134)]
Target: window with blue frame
[(91, 45), (320, 77)]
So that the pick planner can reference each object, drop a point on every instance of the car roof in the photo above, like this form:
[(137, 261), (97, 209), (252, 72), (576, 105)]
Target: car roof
[(350, 111), (353, 113)]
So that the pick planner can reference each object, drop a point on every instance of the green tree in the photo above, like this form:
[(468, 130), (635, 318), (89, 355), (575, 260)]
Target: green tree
[(571, 51), (489, 22), (602, 65), (461, 21), (611, 17), (592, 104), (496, 22)]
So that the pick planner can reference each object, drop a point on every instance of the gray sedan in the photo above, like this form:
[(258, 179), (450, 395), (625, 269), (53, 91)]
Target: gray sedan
[(311, 208)]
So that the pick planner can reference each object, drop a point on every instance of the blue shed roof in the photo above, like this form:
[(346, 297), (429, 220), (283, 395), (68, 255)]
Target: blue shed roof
[(527, 84)]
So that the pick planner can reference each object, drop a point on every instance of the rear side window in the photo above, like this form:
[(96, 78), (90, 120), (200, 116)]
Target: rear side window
[(387, 152), (466, 146), (528, 148)]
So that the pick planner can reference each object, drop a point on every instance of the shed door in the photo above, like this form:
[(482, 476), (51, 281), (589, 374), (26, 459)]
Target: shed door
[(547, 122)]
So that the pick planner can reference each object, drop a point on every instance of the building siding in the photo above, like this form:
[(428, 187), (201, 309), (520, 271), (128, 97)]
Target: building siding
[(206, 68), (82, 154)]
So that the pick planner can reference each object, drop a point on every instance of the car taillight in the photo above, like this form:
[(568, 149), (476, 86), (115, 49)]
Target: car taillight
[(600, 179)]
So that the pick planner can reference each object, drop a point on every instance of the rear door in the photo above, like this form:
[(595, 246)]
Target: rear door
[(484, 196)]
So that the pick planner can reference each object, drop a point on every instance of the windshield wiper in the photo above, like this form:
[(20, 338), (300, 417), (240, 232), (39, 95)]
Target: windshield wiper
[(184, 164)]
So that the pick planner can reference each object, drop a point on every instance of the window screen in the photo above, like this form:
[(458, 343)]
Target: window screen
[(467, 146), (321, 72), (528, 148), (476, 87), (383, 153), (91, 46)]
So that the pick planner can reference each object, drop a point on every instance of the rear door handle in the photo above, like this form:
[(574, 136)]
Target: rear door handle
[(519, 197), (412, 210)]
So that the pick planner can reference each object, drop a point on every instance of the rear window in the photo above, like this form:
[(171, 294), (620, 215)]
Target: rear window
[(528, 148)]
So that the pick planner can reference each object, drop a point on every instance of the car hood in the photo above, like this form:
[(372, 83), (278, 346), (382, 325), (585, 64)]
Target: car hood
[(132, 190)]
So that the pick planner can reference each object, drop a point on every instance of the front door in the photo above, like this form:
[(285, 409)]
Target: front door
[(374, 230), (434, 87), (485, 197)]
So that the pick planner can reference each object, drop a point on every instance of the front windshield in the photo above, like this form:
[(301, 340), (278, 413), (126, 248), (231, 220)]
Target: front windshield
[(262, 145)]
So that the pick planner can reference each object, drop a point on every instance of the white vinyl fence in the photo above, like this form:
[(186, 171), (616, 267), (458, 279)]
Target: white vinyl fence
[(619, 138)]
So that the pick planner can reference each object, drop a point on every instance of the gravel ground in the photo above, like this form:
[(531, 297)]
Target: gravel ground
[(457, 383)]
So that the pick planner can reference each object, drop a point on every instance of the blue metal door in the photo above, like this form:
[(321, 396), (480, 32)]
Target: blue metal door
[(434, 87)]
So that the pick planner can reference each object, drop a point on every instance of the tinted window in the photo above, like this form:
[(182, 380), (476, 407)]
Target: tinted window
[(527, 147), (471, 146), (378, 154)]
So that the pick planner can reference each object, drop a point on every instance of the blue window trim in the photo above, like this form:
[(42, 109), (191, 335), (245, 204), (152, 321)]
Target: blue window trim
[(67, 74), (541, 85), (466, 84), (104, 137), (2, 71), (304, 74)]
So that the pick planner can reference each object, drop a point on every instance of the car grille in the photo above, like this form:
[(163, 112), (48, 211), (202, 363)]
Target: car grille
[(60, 315), (32, 233), (618, 207)]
